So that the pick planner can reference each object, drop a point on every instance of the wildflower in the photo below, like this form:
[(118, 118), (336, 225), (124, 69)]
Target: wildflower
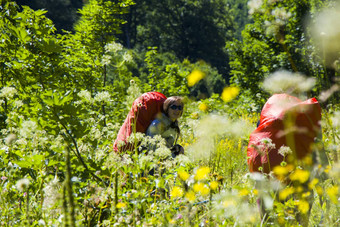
[(319, 190), (280, 171), (300, 175), (113, 47), (312, 184), (85, 94), (51, 193), (194, 77), (243, 192), (229, 93), (202, 173), (3, 178), (303, 206), (287, 82), (228, 203), (10, 139), (333, 192), (285, 193), (176, 192), (190, 196), (8, 92), (22, 184), (203, 107), (213, 185), (254, 6), (284, 150), (121, 205), (179, 216), (183, 175), (127, 57), (106, 59), (103, 96), (201, 188)]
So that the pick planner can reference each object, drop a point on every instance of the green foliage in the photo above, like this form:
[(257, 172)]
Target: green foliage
[(278, 39)]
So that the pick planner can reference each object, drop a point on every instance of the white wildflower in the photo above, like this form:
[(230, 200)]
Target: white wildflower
[(28, 128), (106, 59), (18, 103), (8, 92), (281, 13), (284, 151), (162, 152), (127, 57), (10, 139), (113, 47), (254, 6), (287, 82), (22, 184), (103, 96), (51, 192), (86, 95), (336, 119)]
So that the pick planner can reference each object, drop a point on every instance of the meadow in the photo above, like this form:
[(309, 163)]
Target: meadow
[(64, 96)]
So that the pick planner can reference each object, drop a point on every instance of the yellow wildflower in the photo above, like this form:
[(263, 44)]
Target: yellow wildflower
[(243, 192), (176, 192), (328, 168), (312, 184), (300, 175), (202, 173), (285, 193), (229, 93), (213, 185), (306, 194), (201, 188), (121, 205), (256, 192), (190, 196), (303, 206), (319, 190), (280, 170), (203, 107), (333, 192), (194, 77), (183, 175)]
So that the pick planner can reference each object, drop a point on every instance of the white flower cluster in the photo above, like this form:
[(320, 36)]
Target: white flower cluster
[(287, 82), (51, 192), (22, 184), (254, 6), (113, 47), (106, 59), (103, 96), (8, 92), (284, 151)]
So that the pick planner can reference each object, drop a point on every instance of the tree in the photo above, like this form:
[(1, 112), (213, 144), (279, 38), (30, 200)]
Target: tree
[(196, 30), (278, 39)]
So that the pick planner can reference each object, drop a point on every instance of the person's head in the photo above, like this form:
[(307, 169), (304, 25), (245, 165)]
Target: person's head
[(173, 107)]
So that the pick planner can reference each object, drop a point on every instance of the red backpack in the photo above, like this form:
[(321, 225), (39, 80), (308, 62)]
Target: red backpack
[(143, 111), (279, 111)]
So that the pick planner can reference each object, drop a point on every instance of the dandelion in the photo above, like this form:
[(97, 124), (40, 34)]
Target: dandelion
[(201, 188), (121, 205), (194, 77), (190, 196), (333, 192), (22, 184), (286, 192), (202, 173), (287, 82), (183, 175), (280, 171), (300, 175), (213, 185), (303, 206), (203, 107), (229, 93), (243, 192), (176, 192)]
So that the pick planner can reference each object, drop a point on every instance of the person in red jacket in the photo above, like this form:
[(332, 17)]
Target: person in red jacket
[(166, 124)]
